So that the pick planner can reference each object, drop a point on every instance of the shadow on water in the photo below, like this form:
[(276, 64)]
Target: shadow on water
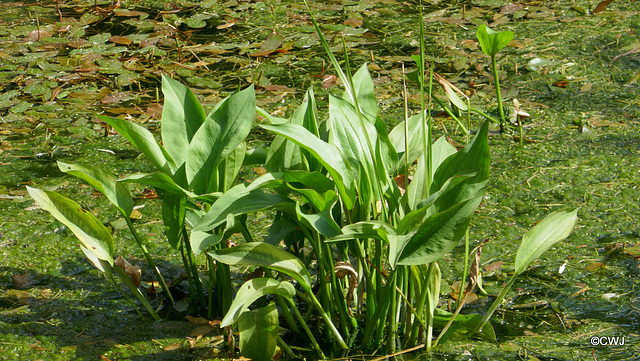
[(79, 315)]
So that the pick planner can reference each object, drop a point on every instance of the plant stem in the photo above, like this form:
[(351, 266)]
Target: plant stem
[(136, 292), (193, 268), (494, 68), (314, 343), (163, 284), (495, 304)]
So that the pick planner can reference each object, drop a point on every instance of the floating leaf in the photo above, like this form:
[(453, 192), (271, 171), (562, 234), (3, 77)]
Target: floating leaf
[(602, 6)]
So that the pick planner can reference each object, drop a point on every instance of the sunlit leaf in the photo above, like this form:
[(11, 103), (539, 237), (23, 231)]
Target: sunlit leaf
[(493, 41), (260, 254), (104, 182), (95, 237), (552, 229)]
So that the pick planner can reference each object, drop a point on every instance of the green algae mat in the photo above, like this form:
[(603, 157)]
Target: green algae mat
[(573, 66)]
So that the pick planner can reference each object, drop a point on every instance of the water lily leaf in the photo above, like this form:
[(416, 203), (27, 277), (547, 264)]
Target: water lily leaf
[(273, 41)]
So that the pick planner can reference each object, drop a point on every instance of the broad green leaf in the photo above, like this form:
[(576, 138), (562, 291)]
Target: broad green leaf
[(259, 332), (322, 221), (396, 137), (251, 291), (239, 201), (142, 139), (552, 229), (356, 143), (473, 157), (182, 116), (201, 241), (492, 41), (226, 127), (95, 237), (260, 254), (438, 234), (327, 154), (104, 182), (278, 230)]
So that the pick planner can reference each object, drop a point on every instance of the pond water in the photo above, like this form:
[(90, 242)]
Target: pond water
[(575, 71)]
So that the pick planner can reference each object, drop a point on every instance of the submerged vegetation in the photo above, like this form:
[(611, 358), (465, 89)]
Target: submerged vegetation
[(352, 226)]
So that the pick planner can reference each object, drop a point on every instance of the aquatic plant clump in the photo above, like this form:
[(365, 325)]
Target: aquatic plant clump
[(361, 217)]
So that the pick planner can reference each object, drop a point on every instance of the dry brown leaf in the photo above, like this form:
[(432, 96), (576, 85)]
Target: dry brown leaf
[(173, 347), (122, 40), (493, 266), (561, 83), (134, 272), (602, 6), (594, 266), (36, 35), (353, 22), (201, 331), (21, 281), (197, 320)]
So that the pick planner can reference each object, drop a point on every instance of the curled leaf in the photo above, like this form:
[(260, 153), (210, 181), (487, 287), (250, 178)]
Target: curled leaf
[(134, 272)]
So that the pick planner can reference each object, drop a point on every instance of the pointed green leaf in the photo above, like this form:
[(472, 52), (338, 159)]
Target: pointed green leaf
[(104, 182), (226, 127), (364, 89), (240, 201), (95, 237), (327, 154), (552, 229), (439, 233), (158, 180), (492, 41), (142, 139), (182, 116), (260, 254)]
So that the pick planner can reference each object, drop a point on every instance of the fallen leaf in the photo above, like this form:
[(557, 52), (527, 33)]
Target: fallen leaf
[(197, 320), (602, 6), (116, 97), (561, 83), (493, 266), (594, 266), (122, 40), (173, 347), (36, 35), (353, 22), (201, 331), (134, 272), (21, 281)]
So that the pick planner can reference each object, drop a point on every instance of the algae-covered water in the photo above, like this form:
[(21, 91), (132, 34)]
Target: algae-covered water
[(574, 66)]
